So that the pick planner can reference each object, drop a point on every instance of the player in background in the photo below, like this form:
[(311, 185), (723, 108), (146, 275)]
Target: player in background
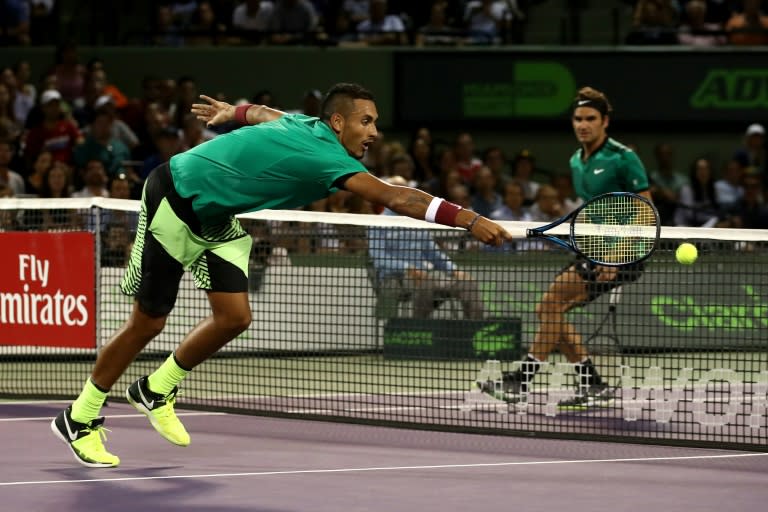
[(276, 161), (600, 165)]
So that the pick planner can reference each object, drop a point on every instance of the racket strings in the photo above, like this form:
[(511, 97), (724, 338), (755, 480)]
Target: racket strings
[(616, 229)]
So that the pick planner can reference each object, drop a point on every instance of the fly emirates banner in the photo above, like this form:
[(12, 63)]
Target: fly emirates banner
[(47, 289)]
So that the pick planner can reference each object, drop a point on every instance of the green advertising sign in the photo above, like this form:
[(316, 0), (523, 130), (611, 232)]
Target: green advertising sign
[(529, 84)]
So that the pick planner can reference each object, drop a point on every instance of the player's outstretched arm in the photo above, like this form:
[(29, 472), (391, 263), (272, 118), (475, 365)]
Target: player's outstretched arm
[(216, 112), (414, 203)]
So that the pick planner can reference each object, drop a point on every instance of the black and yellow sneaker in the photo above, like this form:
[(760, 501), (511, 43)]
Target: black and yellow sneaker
[(598, 395), (85, 440), (159, 410)]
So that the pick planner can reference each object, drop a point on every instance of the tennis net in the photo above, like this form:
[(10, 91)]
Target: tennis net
[(347, 327)]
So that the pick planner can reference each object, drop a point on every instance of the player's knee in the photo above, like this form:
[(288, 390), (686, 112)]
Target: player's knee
[(234, 321), (148, 326)]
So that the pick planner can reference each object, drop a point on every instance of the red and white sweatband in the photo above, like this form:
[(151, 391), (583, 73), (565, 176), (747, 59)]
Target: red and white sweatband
[(240, 112), (442, 212)]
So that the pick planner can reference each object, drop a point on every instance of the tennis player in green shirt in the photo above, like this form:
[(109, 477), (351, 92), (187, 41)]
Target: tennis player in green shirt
[(599, 166), (187, 222)]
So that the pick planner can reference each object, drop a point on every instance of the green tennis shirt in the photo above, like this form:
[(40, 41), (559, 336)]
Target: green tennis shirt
[(612, 168), (282, 164)]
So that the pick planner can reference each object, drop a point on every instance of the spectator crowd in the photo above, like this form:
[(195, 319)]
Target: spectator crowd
[(381, 22), (75, 133)]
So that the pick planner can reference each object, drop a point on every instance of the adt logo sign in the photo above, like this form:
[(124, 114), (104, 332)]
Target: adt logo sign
[(733, 89)]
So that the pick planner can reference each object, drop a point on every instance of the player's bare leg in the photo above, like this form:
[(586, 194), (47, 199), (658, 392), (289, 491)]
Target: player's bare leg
[(124, 346), (231, 315)]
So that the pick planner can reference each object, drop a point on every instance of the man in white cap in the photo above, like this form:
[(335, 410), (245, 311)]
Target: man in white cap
[(55, 133), (752, 155)]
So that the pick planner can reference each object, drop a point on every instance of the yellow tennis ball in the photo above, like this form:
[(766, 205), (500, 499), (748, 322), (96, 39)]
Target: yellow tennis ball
[(686, 253)]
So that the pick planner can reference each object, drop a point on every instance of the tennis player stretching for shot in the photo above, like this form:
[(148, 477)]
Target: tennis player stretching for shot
[(186, 222), (599, 166)]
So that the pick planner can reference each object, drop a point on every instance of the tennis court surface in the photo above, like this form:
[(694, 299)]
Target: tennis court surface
[(248, 463)]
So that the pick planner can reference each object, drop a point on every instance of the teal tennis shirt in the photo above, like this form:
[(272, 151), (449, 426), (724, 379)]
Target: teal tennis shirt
[(612, 168), (282, 164)]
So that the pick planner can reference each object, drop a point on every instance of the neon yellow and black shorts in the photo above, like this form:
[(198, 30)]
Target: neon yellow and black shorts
[(171, 239)]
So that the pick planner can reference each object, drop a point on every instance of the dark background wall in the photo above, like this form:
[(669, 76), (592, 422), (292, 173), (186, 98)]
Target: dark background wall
[(239, 72)]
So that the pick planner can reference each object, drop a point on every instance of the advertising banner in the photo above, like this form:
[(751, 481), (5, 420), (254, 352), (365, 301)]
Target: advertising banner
[(644, 86), (47, 289)]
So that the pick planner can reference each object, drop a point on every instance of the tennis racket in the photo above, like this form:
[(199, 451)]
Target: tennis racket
[(613, 229)]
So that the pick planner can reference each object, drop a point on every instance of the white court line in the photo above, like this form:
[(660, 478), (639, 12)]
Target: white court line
[(113, 416), (385, 468)]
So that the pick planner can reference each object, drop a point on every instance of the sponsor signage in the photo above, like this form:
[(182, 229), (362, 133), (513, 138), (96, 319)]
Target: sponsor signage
[(47, 289), (644, 86), (452, 339)]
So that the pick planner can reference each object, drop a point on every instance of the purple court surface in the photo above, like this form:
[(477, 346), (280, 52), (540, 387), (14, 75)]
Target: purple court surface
[(247, 463)]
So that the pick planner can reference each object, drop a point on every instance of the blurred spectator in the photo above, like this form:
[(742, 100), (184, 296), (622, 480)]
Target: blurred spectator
[(466, 162), (522, 169), (43, 22), (14, 27), (252, 15), (94, 180), (491, 21), (166, 32), (752, 156), (101, 144), (401, 165), (120, 188), (10, 128), (186, 94), (698, 202), (167, 143), (547, 207), (425, 169), (54, 133), (310, 103), (156, 120), (183, 12), (566, 194), (653, 22), (408, 264), (22, 90), (69, 72), (356, 10), (437, 31), (728, 189), (458, 192), (696, 30), (115, 246), (8, 177), (495, 159), (748, 27), (751, 211), (485, 200), (293, 21), (205, 28), (34, 182), (120, 130), (381, 28), (666, 183), (512, 207), (193, 132), (57, 185)]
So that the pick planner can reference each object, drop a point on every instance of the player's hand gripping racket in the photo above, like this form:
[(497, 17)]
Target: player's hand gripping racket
[(613, 229)]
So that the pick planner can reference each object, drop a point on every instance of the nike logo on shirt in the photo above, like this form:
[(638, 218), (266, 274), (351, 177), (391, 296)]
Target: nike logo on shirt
[(598, 171)]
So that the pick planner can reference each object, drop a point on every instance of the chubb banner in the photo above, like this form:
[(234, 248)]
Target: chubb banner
[(47, 289)]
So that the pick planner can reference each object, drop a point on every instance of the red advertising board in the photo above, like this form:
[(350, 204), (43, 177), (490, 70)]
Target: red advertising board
[(47, 289)]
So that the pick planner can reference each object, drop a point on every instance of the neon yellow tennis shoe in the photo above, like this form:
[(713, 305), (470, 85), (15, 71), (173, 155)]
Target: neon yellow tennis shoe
[(86, 440), (159, 410)]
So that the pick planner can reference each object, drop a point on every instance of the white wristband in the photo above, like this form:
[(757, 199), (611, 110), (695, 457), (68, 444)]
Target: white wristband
[(432, 209)]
